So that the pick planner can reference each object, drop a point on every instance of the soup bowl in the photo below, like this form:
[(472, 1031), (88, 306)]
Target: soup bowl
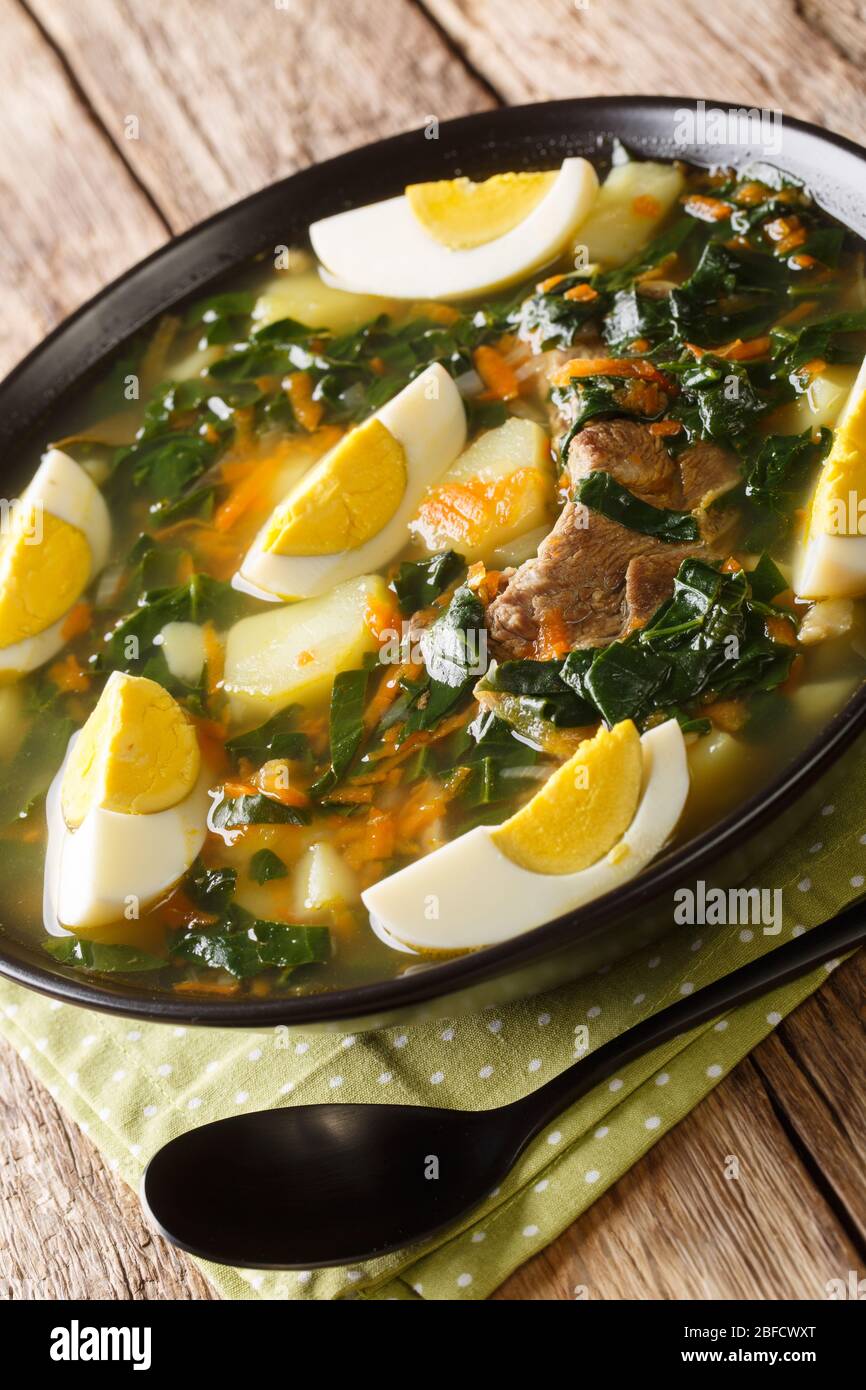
[(42, 385)]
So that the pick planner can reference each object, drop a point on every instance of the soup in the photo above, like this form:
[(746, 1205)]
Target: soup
[(424, 584)]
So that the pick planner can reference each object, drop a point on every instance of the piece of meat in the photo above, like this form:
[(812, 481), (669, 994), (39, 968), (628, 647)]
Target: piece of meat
[(592, 579), (707, 472), (637, 460), (649, 580)]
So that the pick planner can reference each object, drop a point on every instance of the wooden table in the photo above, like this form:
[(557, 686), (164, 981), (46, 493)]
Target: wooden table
[(229, 96)]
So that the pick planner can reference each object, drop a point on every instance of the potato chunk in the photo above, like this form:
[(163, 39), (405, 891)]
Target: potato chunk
[(498, 489), (290, 655), (631, 204)]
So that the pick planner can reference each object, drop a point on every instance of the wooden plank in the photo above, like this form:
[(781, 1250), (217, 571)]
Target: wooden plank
[(675, 1227), (68, 1227), (231, 97), (73, 216), (804, 58)]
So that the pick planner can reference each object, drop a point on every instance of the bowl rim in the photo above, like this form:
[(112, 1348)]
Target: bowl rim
[(385, 997)]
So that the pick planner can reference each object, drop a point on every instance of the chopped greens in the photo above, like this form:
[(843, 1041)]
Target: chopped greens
[(244, 945), (418, 582), (602, 493), (230, 812), (265, 865), (103, 959)]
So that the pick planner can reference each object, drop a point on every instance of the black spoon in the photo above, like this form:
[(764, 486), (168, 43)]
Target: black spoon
[(313, 1185)]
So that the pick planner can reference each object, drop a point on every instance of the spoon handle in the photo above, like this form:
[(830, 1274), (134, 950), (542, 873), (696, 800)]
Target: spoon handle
[(777, 967)]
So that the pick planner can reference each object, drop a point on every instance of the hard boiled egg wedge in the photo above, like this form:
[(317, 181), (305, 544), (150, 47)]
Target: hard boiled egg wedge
[(127, 812), (455, 238), (349, 514), (597, 821), (57, 541), (832, 561)]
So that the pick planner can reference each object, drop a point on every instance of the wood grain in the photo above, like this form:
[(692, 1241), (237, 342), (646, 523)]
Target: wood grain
[(731, 49), (68, 1227), (72, 216), (675, 1227), (230, 97)]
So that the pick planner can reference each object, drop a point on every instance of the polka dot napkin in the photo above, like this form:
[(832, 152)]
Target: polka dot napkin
[(133, 1086)]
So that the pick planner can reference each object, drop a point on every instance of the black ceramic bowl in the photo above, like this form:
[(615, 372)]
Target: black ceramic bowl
[(529, 137)]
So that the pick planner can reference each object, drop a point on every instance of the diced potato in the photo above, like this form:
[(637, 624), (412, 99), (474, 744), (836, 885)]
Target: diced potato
[(631, 204), (522, 548), (818, 701), (820, 405), (323, 879), (308, 299), (290, 655), (498, 489), (720, 767), (830, 618)]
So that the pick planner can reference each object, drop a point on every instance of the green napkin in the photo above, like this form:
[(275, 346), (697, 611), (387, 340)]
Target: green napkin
[(132, 1086)]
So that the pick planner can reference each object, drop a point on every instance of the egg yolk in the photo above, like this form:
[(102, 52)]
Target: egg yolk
[(583, 810), (345, 499), (45, 565), (137, 753), (843, 473), (461, 214)]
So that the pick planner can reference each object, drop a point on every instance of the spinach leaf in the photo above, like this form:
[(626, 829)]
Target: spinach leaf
[(345, 726), (93, 955), (164, 465), (275, 739), (454, 646), (553, 319), (709, 638), (244, 945), (775, 479), (222, 316), (766, 581), (210, 889), (718, 400), (29, 773), (248, 809), (837, 338), (543, 691), (417, 583), (265, 865), (601, 492), (202, 599)]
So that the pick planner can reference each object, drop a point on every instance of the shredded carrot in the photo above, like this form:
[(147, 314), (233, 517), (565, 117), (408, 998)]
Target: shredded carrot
[(307, 412), (497, 374), (814, 367), (584, 294), (544, 286), (639, 345), (77, 621), (381, 619), (580, 367), (304, 658), (213, 656), (800, 311), (664, 428), (750, 194), (739, 351), (387, 691), (780, 630), (731, 565), (69, 675), (795, 675), (707, 209), (729, 715), (553, 638), (438, 313), (803, 262), (645, 205), (205, 987), (247, 491), (351, 795)]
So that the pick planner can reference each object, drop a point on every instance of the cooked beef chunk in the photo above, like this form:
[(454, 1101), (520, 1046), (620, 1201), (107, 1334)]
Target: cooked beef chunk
[(593, 579)]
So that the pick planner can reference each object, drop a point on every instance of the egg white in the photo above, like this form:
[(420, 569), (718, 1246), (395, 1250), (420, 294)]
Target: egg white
[(383, 248), (92, 873), (834, 566), (63, 489), (429, 420), (469, 893)]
